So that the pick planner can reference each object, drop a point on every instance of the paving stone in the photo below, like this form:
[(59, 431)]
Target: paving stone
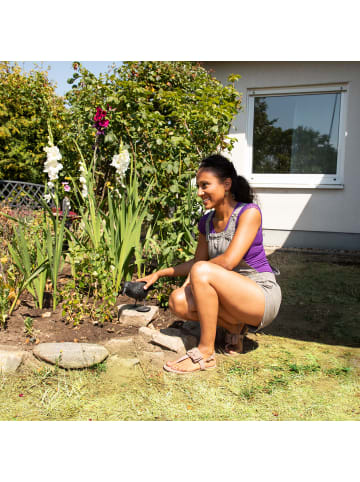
[(174, 340), (121, 346), (71, 355), (10, 360), (155, 359), (10, 348), (146, 333), (128, 316), (127, 362)]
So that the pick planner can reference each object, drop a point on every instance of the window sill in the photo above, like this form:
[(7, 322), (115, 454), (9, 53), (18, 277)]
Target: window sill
[(277, 185)]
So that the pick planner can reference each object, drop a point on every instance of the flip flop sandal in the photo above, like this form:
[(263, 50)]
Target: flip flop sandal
[(196, 357), (234, 339)]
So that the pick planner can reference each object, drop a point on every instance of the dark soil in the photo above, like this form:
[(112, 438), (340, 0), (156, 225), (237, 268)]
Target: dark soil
[(50, 326)]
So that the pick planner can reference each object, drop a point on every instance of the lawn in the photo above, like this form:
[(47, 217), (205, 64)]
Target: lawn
[(305, 366)]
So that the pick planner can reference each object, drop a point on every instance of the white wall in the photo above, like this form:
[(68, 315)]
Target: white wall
[(318, 210)]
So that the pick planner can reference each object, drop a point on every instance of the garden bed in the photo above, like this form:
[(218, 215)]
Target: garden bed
[(309, 312), (51, 326)]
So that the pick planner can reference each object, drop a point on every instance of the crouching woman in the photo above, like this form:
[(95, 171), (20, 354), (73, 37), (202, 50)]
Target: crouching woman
[(230, 282)]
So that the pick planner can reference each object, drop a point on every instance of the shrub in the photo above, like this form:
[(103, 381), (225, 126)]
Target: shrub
[(27, 101), (169, 115)]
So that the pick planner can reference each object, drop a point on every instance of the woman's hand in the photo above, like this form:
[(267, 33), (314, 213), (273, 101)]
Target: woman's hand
[(150, 279)]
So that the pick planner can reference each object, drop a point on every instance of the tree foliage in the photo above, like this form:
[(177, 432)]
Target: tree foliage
[(27, 103), (168, 114)]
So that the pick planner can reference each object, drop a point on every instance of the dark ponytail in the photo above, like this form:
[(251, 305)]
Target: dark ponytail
[(223, 168)]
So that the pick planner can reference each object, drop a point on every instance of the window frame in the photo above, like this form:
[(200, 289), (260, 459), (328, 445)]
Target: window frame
[(327, 181)]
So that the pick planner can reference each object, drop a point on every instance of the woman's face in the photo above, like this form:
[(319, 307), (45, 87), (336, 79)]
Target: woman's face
[(210, 188)]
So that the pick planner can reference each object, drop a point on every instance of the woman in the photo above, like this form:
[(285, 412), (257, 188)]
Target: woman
[(229, 282)]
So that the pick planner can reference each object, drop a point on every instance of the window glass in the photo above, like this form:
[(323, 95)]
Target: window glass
[(296, 134)]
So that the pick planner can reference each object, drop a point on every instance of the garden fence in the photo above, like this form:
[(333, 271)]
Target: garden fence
[(17, 194)]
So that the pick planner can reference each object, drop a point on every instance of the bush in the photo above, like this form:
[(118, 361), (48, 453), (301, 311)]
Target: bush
[(27, 102), (169, 115)]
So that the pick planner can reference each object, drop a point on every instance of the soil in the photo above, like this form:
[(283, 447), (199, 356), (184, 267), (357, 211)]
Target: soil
[(50, 326)]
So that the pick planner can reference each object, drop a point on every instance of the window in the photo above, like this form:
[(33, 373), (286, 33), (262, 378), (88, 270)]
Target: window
[(296, 136)]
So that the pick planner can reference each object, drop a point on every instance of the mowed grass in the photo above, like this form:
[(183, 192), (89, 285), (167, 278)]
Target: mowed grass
[(305, 377)]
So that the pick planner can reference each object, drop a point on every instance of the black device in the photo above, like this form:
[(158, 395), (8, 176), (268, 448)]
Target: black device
[(135, 289)]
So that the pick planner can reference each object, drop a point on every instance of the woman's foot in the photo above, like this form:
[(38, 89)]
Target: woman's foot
[(193, 361)]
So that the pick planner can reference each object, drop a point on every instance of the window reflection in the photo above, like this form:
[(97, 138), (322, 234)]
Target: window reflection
[(296, 134)]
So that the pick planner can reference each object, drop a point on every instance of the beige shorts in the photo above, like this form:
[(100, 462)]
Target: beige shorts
[(272, 292)]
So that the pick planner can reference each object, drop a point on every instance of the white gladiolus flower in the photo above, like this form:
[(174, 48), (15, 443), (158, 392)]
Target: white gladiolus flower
[(47, 197), (52, 166), (84, 191), (51, 185), (53, 153), (82, 179), (121, 162)]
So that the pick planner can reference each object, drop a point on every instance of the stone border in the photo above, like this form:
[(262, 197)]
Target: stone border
[(151, 346)]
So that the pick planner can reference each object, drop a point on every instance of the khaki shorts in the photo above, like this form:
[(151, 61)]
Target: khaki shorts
[(272, 292)]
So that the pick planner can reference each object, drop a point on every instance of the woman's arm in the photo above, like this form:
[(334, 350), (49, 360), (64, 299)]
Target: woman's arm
[(248, 226), (182, 269)]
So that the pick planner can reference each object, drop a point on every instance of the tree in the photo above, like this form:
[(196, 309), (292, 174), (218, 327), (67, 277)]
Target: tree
[(168, 114), (27, 103)]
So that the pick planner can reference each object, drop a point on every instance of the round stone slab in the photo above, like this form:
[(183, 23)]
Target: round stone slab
[(71, 355)]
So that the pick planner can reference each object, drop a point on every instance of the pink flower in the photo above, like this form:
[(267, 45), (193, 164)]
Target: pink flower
[(66, 187), (100, 113), (100, 122)]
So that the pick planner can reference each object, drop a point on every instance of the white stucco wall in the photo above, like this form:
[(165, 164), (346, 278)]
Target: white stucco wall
[(317, 210)]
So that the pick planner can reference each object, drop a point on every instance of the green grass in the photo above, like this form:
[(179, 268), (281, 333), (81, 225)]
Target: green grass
[(278, 381), (301, 375)]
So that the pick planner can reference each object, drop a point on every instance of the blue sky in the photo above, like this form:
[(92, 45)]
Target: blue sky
[(61, 70)]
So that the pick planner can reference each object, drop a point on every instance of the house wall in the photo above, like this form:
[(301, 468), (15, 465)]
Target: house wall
[(298, 217)]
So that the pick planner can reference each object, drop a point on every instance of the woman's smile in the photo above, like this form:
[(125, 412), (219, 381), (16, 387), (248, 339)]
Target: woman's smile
[(210, 189)]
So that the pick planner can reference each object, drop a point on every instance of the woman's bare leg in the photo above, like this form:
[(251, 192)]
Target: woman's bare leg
[(217, 296)]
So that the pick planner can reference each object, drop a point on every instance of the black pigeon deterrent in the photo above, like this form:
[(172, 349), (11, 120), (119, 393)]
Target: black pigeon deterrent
[(135, 289)]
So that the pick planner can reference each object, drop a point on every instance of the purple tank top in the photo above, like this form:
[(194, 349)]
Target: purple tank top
[(255, 257)]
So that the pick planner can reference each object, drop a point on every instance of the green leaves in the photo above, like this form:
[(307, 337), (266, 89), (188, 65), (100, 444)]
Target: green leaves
[(28, 100)]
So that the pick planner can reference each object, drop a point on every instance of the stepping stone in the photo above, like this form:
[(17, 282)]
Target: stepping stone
[(71, 355), (127, 362), (154, 358), (171, 339), (10, 360), (146, 333), (128, 316), (120, 346)]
